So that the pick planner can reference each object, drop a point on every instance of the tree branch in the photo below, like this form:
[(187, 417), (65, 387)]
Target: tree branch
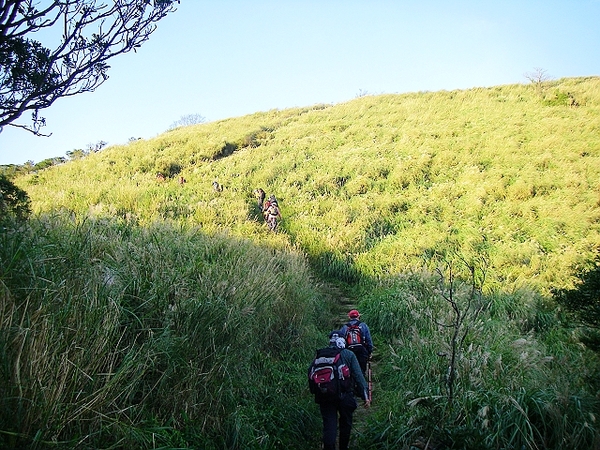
[(33, 77)]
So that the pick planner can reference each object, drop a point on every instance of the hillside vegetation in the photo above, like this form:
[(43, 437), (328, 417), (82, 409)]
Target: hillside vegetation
[(378, 184), (139, 312)]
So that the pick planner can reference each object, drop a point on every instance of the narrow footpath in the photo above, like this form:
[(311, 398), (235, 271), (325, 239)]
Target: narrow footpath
[(344, 304)]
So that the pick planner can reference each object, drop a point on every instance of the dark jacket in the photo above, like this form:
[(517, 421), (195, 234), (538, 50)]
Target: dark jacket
[(349, 358), (366, 334)]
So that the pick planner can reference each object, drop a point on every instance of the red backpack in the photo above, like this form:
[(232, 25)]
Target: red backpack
[(328, 376), (354, 337)]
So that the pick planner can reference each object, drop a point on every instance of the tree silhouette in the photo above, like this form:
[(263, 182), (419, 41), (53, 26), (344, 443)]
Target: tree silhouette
[(80, 35), (188, 119), (584, 300)]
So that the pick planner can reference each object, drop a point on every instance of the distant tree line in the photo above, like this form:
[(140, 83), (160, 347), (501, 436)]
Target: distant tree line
[(12, 170)]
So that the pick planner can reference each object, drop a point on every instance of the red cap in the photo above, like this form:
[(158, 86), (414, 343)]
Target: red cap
[(353, 314)]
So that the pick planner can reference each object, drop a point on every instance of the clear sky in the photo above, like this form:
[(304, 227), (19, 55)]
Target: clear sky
[(229, 58)]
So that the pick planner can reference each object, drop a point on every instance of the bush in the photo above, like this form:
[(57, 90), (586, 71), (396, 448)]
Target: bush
[(520, 382), (14, 202)]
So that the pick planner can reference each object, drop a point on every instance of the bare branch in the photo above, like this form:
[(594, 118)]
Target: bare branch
[(89, 33), (538, 75), (463, 314)]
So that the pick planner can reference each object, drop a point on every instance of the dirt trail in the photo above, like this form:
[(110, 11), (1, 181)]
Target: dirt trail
[(343, 304), (340, 302)]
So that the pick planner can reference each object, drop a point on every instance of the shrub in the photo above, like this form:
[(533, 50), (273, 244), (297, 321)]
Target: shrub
[(14, 202)]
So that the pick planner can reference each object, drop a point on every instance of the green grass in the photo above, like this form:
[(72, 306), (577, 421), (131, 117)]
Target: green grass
[(153, 314), (375, 182), (112, 332), (522, 381)]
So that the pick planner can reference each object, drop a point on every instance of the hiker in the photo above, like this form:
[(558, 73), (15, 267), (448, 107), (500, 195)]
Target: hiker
[(268, 203), (358, 339), (272, 213), (341, 401), (260, 197)]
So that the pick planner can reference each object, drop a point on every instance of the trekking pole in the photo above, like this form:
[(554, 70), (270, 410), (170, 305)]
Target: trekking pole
[(370, 377)]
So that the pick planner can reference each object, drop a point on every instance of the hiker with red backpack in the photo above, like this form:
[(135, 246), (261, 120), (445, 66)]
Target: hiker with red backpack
[(334, 377), (272, 213), (358, 339)]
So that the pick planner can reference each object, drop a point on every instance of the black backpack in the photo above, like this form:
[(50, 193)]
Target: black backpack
[(328, 376), (354, 338)]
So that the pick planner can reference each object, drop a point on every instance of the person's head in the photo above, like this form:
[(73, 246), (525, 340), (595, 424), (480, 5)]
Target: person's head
[(336, 339), (354, 314)]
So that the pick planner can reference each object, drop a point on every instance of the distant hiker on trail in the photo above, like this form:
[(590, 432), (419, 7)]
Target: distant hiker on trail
[(358, 339), (272, 213), (260, 198), (333, 377), (268, 203)]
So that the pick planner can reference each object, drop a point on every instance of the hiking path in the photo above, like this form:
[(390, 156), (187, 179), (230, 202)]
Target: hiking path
[(342, 303)]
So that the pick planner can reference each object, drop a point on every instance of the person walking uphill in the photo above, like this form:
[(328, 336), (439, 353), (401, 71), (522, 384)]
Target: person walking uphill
[(358, 339), (333, 377)]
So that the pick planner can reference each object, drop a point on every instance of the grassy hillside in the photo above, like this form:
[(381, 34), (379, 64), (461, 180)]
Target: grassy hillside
[(118, 336), (378, 184), (145, 313)]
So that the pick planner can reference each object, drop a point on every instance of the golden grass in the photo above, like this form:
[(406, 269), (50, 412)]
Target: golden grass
[(502, 164)]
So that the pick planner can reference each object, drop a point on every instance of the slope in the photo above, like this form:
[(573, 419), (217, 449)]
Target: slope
[(377, 185)]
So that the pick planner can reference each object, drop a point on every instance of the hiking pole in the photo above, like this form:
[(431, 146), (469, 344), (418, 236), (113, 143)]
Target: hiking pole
[(370, 377)]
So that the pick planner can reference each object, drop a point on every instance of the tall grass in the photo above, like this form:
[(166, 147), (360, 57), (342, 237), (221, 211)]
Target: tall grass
[(145, 313), (119, 336), (375, 182), (115, 335), (522, 380)]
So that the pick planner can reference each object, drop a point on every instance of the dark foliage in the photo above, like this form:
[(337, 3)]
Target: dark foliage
[(88, 33), (14, 202), (584, 303)]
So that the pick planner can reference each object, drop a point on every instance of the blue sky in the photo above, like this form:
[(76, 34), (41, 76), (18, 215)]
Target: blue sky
[(229, 58)]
